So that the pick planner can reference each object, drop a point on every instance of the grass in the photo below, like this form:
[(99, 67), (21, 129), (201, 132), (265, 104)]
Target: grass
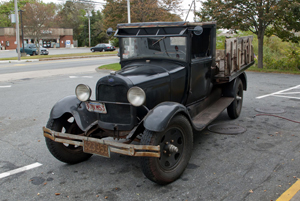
[(61, 55), (114, 66)]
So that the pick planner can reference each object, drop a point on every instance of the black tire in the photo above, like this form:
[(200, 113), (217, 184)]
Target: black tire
[(235, 108), (93, 50), (170, 165), (33, 53), (65, 152)]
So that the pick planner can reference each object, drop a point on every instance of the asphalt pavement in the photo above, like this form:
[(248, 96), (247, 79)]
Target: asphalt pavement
[(260, 164)]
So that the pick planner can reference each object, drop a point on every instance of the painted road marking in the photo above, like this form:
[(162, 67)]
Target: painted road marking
[(290, 193), (72, 77), (7, 86), (18, 170), (281, 93)]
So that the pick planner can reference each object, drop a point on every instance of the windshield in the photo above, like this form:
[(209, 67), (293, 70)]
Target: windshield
[(154, 47)]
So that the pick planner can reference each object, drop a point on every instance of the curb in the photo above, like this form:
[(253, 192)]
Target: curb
[(17, 61), (76, 57), (55, 58)]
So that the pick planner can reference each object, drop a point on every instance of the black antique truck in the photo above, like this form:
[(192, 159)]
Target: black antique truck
[(172, 82)]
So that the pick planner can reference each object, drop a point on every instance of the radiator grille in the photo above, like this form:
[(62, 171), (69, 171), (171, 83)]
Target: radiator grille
[(119, 114)]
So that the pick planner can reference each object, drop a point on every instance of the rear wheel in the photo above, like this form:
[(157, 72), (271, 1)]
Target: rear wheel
[(33, 53), (176, 144), (235, 108), (66, 152)]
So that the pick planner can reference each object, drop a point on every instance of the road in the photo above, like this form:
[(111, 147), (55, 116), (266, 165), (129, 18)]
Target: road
[(52, 51), (259, 164), (11, 71)]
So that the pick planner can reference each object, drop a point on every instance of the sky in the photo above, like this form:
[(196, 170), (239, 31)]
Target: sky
[(184, 6)]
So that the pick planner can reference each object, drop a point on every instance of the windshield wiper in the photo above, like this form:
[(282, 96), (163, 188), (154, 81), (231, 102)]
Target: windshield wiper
[(159, 40)]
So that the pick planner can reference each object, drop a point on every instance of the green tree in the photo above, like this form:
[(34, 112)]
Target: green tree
[(115, 11), (72, 15), (280, 17), (37, 18), (98, 33), (7, 8)]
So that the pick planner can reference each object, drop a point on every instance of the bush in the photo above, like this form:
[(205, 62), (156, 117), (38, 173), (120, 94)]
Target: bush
[(278, 55), (114, 42)]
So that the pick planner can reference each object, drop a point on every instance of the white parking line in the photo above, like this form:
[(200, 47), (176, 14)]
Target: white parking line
[(280, 93), (72, 77), (18, 170), (7, 86)]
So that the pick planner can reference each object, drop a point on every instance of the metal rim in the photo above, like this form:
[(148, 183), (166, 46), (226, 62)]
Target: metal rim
[(70, 126), (172, 145)]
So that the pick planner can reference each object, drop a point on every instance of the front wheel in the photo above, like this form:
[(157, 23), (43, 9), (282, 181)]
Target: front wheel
[(235, 108), (93, 50), (66, 153), (33, 53), (176, 144)]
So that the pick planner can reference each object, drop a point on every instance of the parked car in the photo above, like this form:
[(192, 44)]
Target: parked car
[(172, 81), (101, 47), (32, 50)]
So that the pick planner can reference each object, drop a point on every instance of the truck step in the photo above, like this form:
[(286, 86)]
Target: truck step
[(210, 113)]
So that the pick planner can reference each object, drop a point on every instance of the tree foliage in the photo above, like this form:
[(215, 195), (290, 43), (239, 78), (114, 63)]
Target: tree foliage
[(72, 15), (279, 17), (7, 8), (98, 32), (115, 11), (37, 18)]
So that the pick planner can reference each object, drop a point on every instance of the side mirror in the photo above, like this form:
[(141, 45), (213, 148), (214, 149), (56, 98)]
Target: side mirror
[(109, 31), (198, 30)]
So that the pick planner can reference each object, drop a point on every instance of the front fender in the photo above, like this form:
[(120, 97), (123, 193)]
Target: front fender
[(71, 104), (159, 117)]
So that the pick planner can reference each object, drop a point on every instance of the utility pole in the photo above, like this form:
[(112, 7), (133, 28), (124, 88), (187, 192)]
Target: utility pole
[(84, 34), (89, 30), (128, 11), (88, 14), (21, 11), (194, 10), (17, 30)]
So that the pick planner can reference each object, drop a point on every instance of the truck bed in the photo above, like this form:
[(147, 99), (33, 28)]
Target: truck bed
[(235, 59)]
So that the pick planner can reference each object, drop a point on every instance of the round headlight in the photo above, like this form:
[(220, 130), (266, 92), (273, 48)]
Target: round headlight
[(83, 92), (136, 96)]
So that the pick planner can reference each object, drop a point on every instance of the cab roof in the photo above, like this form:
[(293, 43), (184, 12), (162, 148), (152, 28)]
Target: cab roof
[(154, 29), (164, 24)]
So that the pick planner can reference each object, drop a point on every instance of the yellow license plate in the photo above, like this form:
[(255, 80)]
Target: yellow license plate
[(96, 148)]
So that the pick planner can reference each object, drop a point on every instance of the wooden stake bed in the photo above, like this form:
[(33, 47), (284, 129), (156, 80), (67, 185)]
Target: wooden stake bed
[(235, 59)]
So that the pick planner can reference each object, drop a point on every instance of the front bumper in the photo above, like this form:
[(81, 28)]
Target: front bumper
[(44, 52), (115, 147)]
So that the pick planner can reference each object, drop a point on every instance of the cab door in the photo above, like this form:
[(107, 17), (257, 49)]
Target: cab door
[(201, 62)]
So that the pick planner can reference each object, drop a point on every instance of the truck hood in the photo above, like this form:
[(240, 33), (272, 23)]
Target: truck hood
[(139, 73)]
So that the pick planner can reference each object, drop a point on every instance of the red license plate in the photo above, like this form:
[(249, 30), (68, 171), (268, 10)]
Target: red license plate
[(96, 107)]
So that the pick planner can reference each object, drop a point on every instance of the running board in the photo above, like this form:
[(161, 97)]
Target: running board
[(205, 117)]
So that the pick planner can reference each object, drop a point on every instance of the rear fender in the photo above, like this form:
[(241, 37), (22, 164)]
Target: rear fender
[(77, 109), (159, 117), (243, 78)]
